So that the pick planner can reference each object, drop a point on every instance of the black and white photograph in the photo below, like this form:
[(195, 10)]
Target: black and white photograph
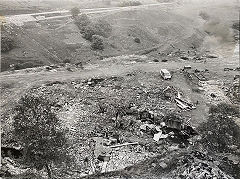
[(119, 89)]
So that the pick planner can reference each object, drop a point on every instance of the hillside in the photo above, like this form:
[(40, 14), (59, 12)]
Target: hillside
[(49, 42)]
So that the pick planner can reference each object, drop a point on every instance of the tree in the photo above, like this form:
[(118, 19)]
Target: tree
[(75, 11), (89, 28), (37, 128), (103, 28), (82, 22), (130, 3), (88, 32), (97, 42), (220, 133)]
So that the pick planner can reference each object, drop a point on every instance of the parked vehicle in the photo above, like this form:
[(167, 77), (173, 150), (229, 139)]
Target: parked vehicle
[(165, 74), (187, 67)]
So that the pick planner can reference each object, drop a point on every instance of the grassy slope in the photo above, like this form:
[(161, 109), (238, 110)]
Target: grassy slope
[(42, 44)]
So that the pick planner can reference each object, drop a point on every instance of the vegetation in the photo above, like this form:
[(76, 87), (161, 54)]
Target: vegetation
[(236, 26), (75, 11), (220, 133), (97, 42), (94, 31), (67, 60), (82, 21), (102, 28), (137, 40), (130, 3), (37, 128), (7, 43), (88, 28), (224, 109), (88, 32)]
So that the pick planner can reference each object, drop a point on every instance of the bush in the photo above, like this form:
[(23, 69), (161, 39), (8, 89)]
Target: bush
[(97, 42), (102, 28), (67, 60), (88, 32), (137, 40), (88, 28), (75, 11), (37, 128), (220, 132), (224, 109), (236, 26), (7, 43), (130, 3), (82, 22), (17, 66)]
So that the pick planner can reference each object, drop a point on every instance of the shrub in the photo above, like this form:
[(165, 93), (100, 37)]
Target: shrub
[(236, 26), (37, 128), (130, 3), (75, 11), (17, 66), (88, 28), (103, 28), (224, 109), (82, 21), (7, 43), (220, 132), (67, 60), (97, 42), (88, 32), (137, 40)]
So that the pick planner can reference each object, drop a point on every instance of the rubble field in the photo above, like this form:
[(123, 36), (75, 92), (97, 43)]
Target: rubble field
[(130, 119)]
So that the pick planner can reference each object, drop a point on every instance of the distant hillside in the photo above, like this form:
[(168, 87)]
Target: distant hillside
[(54, 41)]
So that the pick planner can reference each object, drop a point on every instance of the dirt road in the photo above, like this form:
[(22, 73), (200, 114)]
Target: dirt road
[(20, 19), (22, 80)]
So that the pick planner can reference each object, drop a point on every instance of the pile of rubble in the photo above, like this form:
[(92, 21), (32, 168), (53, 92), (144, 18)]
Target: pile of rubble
[(170, 127), (198, 165), (195, 77), (192, 55), (100, 109)]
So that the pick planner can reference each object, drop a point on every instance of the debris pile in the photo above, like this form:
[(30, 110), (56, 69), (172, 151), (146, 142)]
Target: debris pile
[(183, 104), (198, 165), (169, 93), (12, 168), (125, 117), (195, 77), (192, 55), (170, 127)]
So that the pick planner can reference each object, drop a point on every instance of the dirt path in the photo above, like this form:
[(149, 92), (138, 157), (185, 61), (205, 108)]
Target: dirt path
[(22, 81), (22, 18)]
